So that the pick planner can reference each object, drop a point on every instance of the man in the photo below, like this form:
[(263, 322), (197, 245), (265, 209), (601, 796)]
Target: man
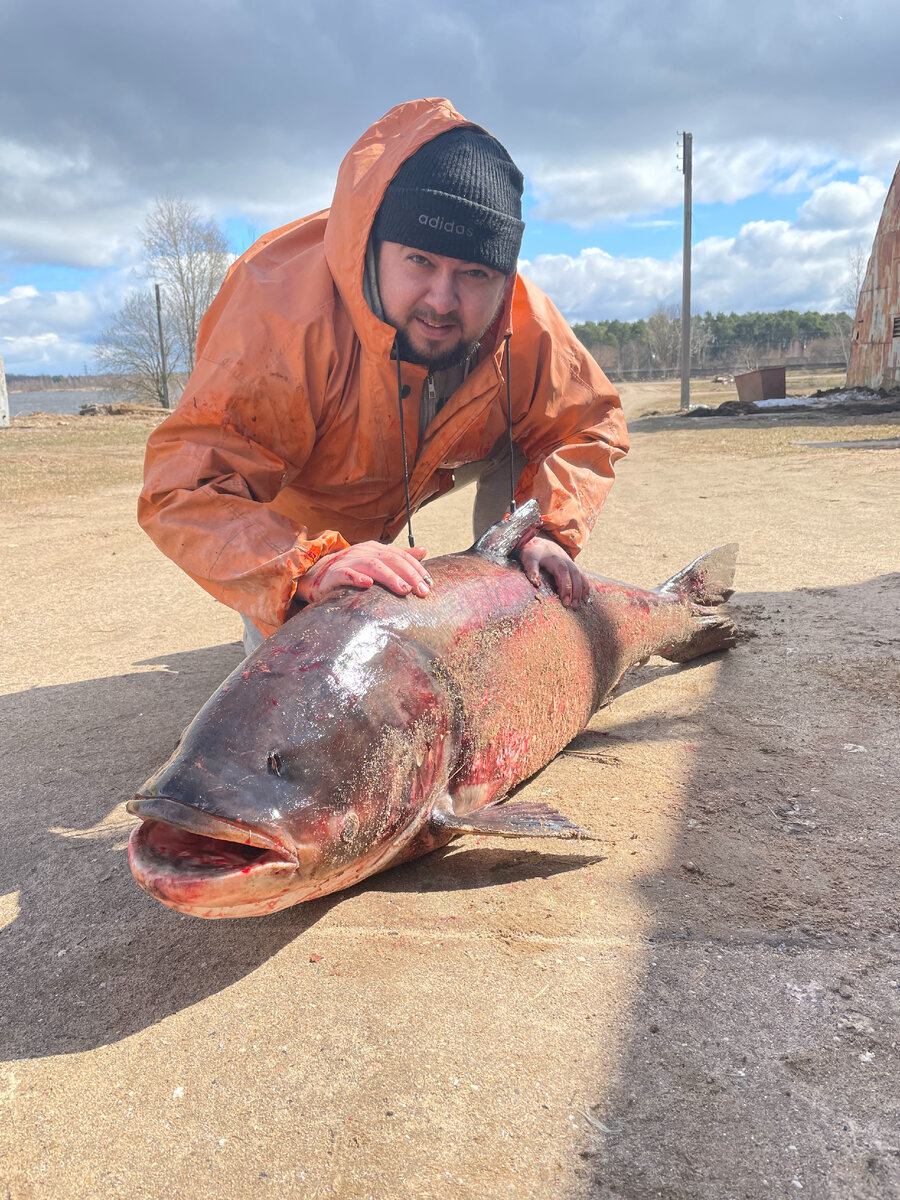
[(357, 359)]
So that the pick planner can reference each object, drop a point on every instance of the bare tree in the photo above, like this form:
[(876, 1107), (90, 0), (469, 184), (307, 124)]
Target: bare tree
[(189, 258), (745, 358), (857, 262), (701, 336), (663, 335), (129, 347)]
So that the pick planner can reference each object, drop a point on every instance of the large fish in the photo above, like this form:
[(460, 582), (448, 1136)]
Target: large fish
[(372, 728)]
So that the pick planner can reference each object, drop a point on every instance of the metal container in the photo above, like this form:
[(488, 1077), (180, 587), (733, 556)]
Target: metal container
[(765, 384)]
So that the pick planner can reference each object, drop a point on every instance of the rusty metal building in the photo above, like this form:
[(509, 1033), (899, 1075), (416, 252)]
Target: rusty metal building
[(875, 347)]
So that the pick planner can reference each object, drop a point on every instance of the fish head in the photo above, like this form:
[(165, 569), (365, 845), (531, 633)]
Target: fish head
[(303, 773)]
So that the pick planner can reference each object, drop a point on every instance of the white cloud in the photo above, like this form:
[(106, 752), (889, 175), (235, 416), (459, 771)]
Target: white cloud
[(45, 354), (63, 208), (53, 330), (643, 181), (842, 205), (594, 285), (69, 210), (611, 190), (768, 265)]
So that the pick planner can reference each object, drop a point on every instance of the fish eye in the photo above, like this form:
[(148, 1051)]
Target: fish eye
[(349, 827), (273, 763)]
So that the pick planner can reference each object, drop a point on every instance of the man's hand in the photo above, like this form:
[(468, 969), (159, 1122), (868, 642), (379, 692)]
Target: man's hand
[(568, 578), (359, 566)]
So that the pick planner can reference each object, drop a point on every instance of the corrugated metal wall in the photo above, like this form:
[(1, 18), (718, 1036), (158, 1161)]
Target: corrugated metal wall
[(875, 348)]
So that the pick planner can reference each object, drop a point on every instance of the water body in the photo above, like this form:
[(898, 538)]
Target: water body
[(58, 402)]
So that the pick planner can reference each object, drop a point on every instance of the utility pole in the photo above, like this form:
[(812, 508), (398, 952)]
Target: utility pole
[(4, 398), (162, 349), (687, 144)]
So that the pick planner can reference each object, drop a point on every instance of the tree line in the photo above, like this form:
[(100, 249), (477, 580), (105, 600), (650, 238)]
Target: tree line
[(726, 342), (58, 383)]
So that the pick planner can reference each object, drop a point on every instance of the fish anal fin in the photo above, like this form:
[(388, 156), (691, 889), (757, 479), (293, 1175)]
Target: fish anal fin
[(518, 818)]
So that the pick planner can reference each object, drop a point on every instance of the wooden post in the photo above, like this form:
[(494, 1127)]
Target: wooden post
[(687, 167), (4, 399), (162, 349)]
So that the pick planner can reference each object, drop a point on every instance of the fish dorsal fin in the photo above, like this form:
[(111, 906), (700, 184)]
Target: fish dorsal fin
[(503, 539)]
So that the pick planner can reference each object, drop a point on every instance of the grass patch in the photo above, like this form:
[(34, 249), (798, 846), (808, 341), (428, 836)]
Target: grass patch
[(48, 457)]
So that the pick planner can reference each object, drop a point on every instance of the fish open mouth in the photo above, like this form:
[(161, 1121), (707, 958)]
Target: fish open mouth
[(204, 865)]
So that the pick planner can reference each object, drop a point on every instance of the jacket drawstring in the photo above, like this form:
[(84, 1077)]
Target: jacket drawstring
[(509, 440), (403, 443)]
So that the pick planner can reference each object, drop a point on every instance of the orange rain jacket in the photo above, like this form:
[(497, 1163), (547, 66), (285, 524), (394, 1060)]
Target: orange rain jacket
[(286, 442)]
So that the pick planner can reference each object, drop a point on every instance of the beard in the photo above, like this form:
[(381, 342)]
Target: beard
[(453, 357), (440, 360)]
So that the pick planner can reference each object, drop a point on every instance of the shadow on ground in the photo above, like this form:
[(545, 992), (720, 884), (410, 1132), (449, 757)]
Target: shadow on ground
[(762, 1055), (88, 958), (802, 422)]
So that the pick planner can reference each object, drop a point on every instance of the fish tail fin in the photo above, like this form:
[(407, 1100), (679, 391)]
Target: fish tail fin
[(709, 631), (707, 583), (708, 579)]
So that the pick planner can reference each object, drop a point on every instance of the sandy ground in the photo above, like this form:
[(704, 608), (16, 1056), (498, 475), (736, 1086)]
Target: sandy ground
[(704, 1006)]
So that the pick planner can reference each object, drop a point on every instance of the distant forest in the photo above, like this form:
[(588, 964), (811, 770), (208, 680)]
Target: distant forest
[(725, 343), (720, 342), (61, 383)]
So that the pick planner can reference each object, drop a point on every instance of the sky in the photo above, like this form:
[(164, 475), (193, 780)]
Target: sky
[(246, 107)]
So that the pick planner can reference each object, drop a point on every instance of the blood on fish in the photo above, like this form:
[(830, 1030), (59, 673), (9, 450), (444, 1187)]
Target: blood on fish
[(453, 704)]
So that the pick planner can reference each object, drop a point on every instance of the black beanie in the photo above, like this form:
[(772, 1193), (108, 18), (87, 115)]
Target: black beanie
[(459, 195)]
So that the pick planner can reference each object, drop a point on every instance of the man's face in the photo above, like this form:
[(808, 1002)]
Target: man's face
[(439, 306)]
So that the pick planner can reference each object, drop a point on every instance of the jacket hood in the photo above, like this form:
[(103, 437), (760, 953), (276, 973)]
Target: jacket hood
[(362, 180)]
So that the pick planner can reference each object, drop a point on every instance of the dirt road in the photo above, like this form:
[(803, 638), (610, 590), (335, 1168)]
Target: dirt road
[(705, 1007)]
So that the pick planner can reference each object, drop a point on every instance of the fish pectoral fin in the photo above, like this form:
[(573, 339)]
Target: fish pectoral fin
[(519, 818)]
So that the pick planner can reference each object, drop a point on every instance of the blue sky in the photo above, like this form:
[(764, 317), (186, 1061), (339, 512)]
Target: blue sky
[(246, 109)]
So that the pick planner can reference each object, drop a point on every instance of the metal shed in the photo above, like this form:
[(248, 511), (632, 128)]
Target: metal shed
[(875, 345)]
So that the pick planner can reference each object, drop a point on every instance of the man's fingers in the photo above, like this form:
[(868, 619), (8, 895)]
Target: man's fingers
[(413, 557), (577, 585), (399, 575), (530, 565), (410, 571), (559, 572), (334, 578), (354, 578), (572, 593), (406, 563), (568, 580), (392, 580), (359, 566)]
